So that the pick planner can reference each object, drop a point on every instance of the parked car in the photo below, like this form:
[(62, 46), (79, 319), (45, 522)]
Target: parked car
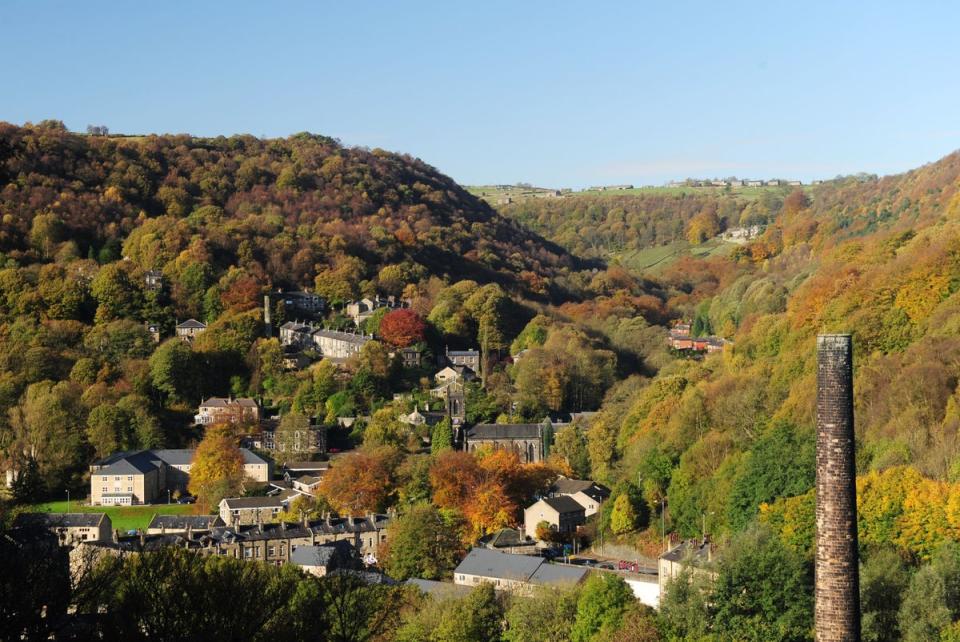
[(187, 499)]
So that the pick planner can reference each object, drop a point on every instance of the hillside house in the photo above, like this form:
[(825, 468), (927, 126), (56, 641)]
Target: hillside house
[(339, 345), (217, 410), (305, 302), (588, 494), (563, 513), (190, 329), (243, 511), (695, 554), (468, 358), (154, 330), (153, 280), (69, 528)]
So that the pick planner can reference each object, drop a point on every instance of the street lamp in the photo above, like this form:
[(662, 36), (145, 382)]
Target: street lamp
[(68, 501), (168, 496)]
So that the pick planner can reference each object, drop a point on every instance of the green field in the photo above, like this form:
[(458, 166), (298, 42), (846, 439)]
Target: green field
[(494, 194), (124, 518), (655, 259)]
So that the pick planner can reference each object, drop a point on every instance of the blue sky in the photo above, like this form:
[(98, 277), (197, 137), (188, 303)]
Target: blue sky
[(556, 93)]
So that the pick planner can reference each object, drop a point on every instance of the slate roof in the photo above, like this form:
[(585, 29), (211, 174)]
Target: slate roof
[(698, 551), (463, 353), (563, 504), (504, 431), (567, 486), (558, 574), (191, 324), (223, 402), (127, 463), (61, 520), (251, 503), (342, 336), (484, 562), (180, 522), (506, 538), (184, 456), (336, 525), (322, 554)]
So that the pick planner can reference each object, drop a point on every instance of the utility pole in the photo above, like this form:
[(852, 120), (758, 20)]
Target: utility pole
[(68, 500)]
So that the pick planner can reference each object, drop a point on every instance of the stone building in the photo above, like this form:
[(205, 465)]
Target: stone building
[(189, 329), (526, 440), (837, 586), (227, 410), (69, 528)]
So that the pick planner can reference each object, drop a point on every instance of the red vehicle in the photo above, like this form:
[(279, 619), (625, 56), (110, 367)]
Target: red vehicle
[(624, 565)]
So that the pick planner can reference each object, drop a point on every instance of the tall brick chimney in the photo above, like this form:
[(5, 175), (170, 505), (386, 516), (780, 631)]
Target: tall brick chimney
[(837, 614)]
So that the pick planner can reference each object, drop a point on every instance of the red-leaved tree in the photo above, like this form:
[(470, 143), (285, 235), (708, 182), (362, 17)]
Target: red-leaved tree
[(401, 328)]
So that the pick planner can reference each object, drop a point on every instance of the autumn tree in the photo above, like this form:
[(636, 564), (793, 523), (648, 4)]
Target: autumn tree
[(217, 467), (402, 328), (359, 482)]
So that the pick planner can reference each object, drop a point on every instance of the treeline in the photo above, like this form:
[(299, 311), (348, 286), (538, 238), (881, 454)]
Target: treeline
[(596, 226), (282, 210)]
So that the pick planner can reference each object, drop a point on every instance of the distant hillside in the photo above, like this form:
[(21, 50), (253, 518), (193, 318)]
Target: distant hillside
[(879, 258), (284, 209)]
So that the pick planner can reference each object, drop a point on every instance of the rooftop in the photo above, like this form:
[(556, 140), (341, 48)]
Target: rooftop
[(567, 486), (342, 336), (181, 522), (694, 550), (563, 504), (487, 563), (504, 431), (62, 520), (224, 402), (192, 324)]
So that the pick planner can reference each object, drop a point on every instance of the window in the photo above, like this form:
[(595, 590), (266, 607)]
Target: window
[(129, 477), (104, 489), (256, 552), (271, 551), (129, 489), (117, 478), (247, 552)]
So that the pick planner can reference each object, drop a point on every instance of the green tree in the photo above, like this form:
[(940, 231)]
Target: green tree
[(109, 430), (763, 591), (174, 372), (441, 437), (932, 601), (780, 464), (571, 445), (623, 517), (423, 542), (116, 293), (884, 579), (545, 616), (601, 605)]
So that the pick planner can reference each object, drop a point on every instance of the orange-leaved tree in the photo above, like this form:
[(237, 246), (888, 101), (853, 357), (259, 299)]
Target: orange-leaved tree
[(217, 468), (359, 482)]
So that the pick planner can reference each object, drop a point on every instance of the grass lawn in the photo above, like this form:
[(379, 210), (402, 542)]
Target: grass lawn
[(124, 518), (655, 259)]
